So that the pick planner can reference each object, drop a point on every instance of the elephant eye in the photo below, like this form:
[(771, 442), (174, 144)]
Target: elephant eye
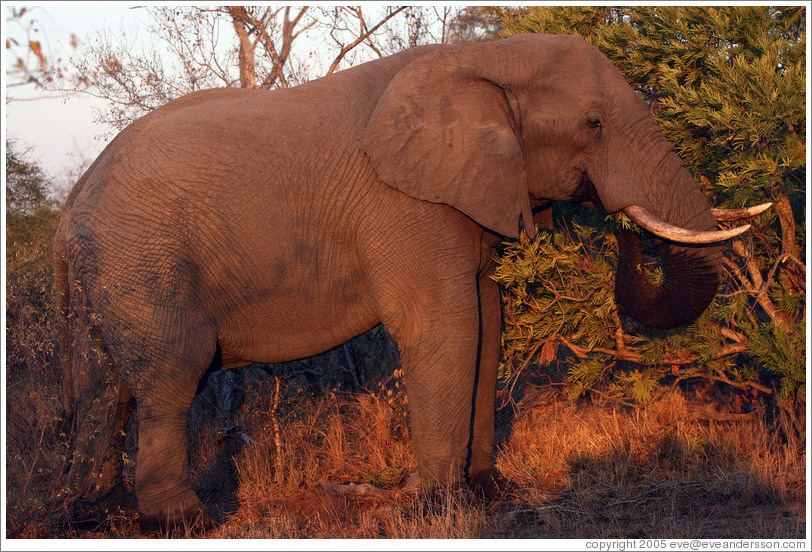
[(593, 122)]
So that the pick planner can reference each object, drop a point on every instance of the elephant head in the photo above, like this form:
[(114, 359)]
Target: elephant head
[(493, 129)]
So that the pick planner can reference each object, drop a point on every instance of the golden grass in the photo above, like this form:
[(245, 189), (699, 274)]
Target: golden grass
[(593, 470), (582, 470)]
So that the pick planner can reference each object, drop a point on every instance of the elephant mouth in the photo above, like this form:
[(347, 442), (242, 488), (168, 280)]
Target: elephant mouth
[(690, 279), (691, 260), (587, 195)]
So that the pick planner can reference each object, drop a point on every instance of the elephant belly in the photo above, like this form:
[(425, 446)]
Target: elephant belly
[(298, 318)]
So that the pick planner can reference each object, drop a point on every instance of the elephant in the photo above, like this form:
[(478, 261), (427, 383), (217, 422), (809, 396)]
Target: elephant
[(233, 226)]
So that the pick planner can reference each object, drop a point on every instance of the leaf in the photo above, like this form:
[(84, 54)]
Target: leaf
[(36, 48), (547, 354)]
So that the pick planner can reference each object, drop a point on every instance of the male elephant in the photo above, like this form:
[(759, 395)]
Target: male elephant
[(235, 226)]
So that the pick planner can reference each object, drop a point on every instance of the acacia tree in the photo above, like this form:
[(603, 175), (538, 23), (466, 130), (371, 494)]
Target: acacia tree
[(726, 84)]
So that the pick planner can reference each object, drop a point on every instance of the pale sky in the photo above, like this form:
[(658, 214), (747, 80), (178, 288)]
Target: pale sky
[(56, 126)]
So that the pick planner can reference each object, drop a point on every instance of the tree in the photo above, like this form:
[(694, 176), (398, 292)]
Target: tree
[(30, 212), (240, 46), (727, 86), (31, 219), (33, 370)]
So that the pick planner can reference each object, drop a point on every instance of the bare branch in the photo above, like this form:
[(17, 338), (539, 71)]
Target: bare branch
[(759, 286), (362, 37), (626, 354), (279, 57), (187, 51)]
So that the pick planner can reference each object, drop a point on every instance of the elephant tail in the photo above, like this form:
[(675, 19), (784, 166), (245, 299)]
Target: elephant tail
[(95, 401)]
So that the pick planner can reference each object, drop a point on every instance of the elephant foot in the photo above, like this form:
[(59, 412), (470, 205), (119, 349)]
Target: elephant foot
[(491, 485), (168, 526), (92, 513), (187, 524), (182, 512), (487, 483)]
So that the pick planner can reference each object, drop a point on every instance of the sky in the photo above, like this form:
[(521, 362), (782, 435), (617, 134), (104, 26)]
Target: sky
[(57, 129)]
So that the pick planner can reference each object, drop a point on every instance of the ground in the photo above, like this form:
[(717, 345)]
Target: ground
[(585, 468)]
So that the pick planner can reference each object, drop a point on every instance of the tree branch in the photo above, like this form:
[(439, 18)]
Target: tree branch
[(239, 17), (260, 26), (361, 38), (760, 287), (626, 354)]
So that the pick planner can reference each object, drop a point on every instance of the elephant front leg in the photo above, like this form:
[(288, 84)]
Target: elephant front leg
[(451, 366), (424, 280), (440, 373), (439, 334)]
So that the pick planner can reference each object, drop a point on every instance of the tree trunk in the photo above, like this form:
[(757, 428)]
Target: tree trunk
[(248, 77)]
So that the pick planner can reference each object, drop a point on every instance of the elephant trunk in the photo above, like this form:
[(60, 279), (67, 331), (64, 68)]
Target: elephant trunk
[(692, 277), (692, 273)]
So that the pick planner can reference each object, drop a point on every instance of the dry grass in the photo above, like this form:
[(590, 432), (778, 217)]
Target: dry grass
[(582, 470), (591, 470)]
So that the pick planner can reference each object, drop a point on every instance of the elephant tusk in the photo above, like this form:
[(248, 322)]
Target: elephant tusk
[(648, 221), (730, 215)]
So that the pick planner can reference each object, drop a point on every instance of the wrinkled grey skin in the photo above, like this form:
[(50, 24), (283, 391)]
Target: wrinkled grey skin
[(236, 226)]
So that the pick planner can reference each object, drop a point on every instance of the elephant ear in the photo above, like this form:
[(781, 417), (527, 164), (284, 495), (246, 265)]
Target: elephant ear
[(443, 132)]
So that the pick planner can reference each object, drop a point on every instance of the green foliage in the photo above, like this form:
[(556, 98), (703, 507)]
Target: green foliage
[(587, 372), (727, 86), (782, 352), (552, 289), (558, 293)]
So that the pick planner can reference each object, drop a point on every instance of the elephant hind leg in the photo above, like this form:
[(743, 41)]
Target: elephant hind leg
[(164, 387), (163, 486)]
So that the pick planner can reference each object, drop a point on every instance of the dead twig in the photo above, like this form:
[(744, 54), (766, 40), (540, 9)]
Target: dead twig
[(363, 34)]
